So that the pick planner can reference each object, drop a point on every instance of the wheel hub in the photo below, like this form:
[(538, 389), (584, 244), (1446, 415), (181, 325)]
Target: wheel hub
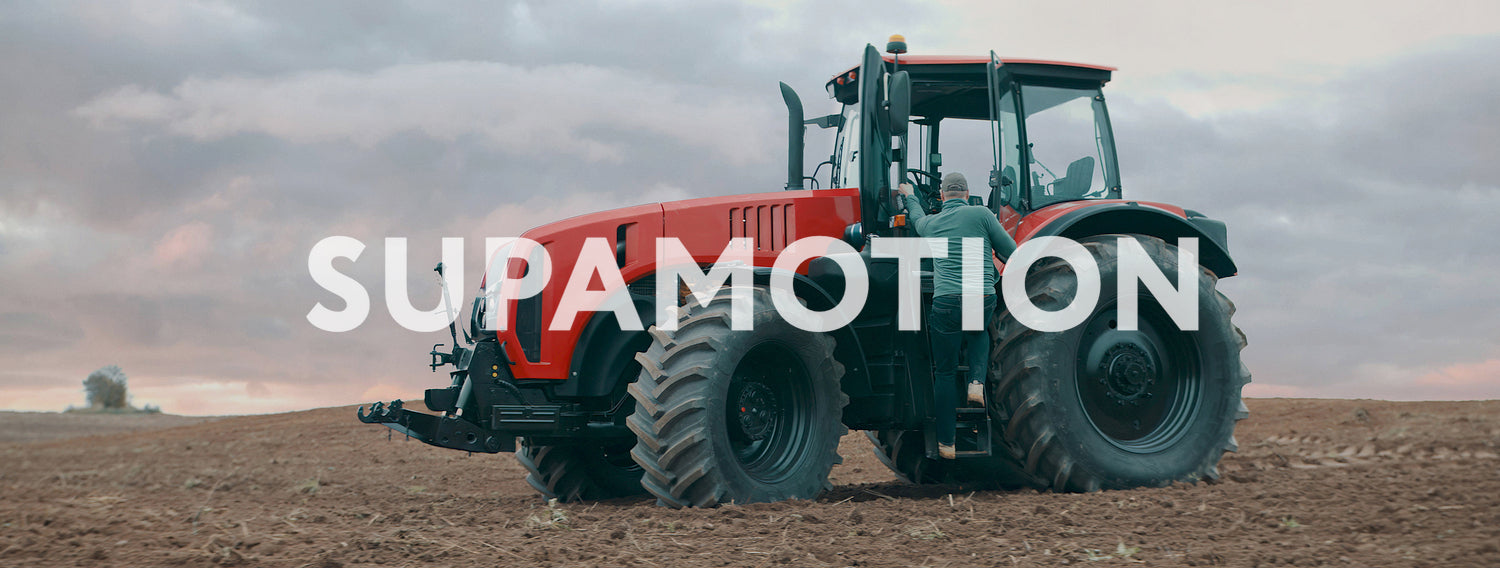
[(1128, 372), (1141, 388), (757, 411)]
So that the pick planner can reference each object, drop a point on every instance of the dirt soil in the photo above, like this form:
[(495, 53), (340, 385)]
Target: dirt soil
[(1316, 482), (40, 426)]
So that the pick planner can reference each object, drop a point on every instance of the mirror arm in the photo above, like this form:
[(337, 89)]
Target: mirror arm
[(830, 121)]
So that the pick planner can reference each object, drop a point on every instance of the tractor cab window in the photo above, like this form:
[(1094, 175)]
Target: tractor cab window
[(1072, 156), (1009, 139), (846, 150)]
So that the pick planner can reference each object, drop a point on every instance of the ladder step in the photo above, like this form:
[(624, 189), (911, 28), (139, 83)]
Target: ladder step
[(974, 421), (973, 428)]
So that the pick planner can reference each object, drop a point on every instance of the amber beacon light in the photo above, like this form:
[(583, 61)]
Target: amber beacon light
[(896, 44)]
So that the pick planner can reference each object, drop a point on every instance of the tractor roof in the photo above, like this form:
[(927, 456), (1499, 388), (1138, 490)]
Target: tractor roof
[(980, 59), (954, 85)]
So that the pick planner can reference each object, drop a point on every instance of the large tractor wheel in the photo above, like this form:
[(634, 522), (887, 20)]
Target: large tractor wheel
[(725, 416), (1097, 407), (581, 472)]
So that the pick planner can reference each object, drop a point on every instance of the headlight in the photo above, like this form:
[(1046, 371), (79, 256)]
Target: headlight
[(476, 317)]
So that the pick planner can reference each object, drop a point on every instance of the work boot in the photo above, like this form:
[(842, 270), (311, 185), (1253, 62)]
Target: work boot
[(947, 452), (976, 393)]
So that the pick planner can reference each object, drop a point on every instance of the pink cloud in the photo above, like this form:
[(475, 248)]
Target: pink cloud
[(186, 245), (385, 392), (1481, 376)]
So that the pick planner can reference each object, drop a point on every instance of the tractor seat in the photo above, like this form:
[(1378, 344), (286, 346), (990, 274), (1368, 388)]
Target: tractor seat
[(1080, 176)]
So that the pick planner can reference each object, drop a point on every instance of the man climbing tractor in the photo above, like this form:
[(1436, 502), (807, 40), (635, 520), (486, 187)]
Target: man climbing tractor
[(957, 221)]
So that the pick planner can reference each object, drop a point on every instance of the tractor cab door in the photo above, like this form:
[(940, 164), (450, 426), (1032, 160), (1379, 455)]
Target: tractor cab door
[(1006, 195), (875, 200), (1053, 138)]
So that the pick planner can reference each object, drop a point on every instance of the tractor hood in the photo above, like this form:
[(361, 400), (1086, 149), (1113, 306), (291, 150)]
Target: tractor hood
[(703, 225)]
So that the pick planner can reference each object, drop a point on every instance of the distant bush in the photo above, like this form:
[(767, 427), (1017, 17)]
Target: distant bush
[(107, 392), (106, 389)]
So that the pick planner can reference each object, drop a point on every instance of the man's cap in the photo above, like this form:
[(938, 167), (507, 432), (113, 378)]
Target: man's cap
[(955, 182)]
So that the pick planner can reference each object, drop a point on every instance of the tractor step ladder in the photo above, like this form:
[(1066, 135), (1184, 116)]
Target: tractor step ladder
[(973, 424), (972, 438)]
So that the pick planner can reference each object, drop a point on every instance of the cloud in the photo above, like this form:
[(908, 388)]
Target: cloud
[(256, 389), (127, 130), (208, 397), (165, 167), (1388, 381), (523, 111), (384, 392), (23, 331), (1211, 58), (1479, 379), (1352, 217), (185, 246)]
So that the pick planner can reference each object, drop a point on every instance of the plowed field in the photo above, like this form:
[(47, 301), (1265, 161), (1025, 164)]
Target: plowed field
[(1316, 482)]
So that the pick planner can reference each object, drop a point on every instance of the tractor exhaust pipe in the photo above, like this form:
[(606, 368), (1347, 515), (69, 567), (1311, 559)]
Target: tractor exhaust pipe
[(795, 132)]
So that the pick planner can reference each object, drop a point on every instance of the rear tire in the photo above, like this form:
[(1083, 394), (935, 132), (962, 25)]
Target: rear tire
[(583, 472), (1096, 407), (724, 416)]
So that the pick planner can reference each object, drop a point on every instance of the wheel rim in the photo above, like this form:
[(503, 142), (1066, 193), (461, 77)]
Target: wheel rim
[(1139, 389), (768, 412)]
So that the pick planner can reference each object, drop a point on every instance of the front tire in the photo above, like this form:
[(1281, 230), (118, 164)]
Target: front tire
[(724, 416), (1097, 407)]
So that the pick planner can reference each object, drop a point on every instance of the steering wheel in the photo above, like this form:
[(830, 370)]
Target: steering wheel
[(925, 194), (913, 180)]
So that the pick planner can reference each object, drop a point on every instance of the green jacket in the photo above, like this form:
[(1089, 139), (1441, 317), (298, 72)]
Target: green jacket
[(957, 220)]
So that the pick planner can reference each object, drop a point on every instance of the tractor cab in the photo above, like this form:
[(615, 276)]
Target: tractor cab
[(1048, 128)]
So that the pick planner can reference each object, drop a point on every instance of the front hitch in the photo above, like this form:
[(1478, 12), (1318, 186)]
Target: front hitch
[(440, 358), (444, 431)]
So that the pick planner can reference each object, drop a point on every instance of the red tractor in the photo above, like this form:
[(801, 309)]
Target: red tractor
[(707, 414)]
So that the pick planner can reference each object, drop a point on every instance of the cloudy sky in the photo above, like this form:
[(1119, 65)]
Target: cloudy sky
[(166, 166)]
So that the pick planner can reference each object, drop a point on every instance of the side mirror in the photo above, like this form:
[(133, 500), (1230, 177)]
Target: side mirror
[(1001, 186), (854, 234), (900, 102)]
